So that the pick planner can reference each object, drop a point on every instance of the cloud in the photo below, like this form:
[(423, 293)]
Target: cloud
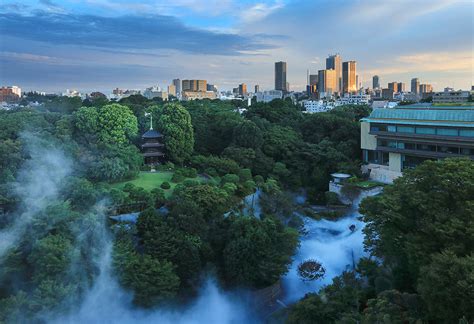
[(125, 32), (259, 11)]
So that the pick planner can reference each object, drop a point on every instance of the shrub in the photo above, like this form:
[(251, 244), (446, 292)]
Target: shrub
[(165, 185), (177, 177)]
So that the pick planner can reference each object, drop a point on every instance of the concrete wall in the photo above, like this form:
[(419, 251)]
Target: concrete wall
[(395, 162), (380, 173), (367, 141)]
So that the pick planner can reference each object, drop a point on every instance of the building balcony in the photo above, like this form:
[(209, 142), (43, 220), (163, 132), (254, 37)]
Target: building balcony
[(428, 154), (433, 138)]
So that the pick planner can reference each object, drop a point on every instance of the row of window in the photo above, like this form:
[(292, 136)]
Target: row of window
[(426, 147), (422, 130)]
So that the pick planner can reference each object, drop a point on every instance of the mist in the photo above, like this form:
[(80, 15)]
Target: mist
[(38, 184)]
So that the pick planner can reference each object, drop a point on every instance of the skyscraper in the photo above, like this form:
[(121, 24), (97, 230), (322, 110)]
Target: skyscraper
[(313, 79), (349, 77), (172, 90), (334, 62), (280, 76), (257, 88), (393, 86), (177, 85), (242, 89), (375, 82), (415, 85), (401, 87), (327, 82)]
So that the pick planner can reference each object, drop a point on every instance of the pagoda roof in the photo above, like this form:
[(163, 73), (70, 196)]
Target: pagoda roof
[(152, 134)]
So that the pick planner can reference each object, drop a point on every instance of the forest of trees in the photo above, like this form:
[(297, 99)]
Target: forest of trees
[(163, 257)]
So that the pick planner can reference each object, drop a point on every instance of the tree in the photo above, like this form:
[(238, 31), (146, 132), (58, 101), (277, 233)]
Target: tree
[(427, 210), (446, 286), (392, 306), (111, 124), (257, 252), (175, 123), (248, 135)]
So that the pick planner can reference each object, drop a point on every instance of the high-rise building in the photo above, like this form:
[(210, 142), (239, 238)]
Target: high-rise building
[(327, 82), (280, 76), (426, 88), (177, 85), (393, 86), (349, 77), (415, 85), (10, 94), (401, 87), (313, 79), (242, 89), (195, 85), (257, 88), (375, 82), (172, 90), (334, 62)]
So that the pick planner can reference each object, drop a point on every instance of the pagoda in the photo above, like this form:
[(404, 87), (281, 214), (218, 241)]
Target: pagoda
[(152, 145)]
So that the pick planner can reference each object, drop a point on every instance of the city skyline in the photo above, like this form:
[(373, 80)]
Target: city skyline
[(101, 45)]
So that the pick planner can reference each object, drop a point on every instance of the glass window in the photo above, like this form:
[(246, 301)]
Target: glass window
[(425, 130), (410, 146), (448, 149), (401, 145), (426, 147), (392, 144), (467, 151), (466, 132), (406, 129), (392, 128), (447, 131)]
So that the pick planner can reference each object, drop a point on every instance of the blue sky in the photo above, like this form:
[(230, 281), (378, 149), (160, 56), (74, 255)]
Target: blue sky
[(52, 45)]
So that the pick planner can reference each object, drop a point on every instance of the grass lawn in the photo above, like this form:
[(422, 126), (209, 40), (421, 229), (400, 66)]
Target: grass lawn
[(151, 180)]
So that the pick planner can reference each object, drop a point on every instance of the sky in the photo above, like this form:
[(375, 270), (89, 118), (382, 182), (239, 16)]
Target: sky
[(52, 45)]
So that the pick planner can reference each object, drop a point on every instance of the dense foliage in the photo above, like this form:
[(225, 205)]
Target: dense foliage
[(421, 230)]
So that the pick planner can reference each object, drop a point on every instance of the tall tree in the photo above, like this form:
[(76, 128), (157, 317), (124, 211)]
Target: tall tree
[(175, 123)]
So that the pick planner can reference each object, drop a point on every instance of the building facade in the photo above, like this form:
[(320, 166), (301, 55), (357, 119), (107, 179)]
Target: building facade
[(327, 82), (415, 85), (177, 85), (10, 94), (243, 89), (451, 96), (375, 82), (333, 62), (267, 96), (393, 140), (280, 76), (349, 77)]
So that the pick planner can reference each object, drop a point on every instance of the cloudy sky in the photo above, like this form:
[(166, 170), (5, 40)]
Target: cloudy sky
[(52, 45)]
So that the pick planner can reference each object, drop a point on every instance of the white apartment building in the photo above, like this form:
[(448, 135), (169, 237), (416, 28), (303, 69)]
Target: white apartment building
[(155, 92), (451, 96), (353, 99), (267, 96), (317, 106)]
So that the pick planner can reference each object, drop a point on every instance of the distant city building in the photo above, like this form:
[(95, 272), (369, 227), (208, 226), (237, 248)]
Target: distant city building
[(211, 87), (327, 83), (426, 88), (242, 89), (172, 90), (415, 85), (393, 140), (257, 88), (393, 86), (388, 93), (313, 79), (401, 87), (267, 96), (195, 95), (280, 76), (96, 95), (406, 96), (375, 82), (316, 106), (353, 99), (194, 85), (349, 77), (155, 92), (333, 62), (177, 85), (451, 96), (117, 92), (10, 94)]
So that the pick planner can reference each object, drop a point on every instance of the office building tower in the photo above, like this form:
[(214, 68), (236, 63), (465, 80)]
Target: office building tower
[(415, 85), (393, 86), (172, 90), (280, 76), (242, 89), (426, 88), (375, 82), (334, 62), (257, 88), (313, 79), (349, 77), (177, 85), (327, 82), (195, 85), (401, 87)]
